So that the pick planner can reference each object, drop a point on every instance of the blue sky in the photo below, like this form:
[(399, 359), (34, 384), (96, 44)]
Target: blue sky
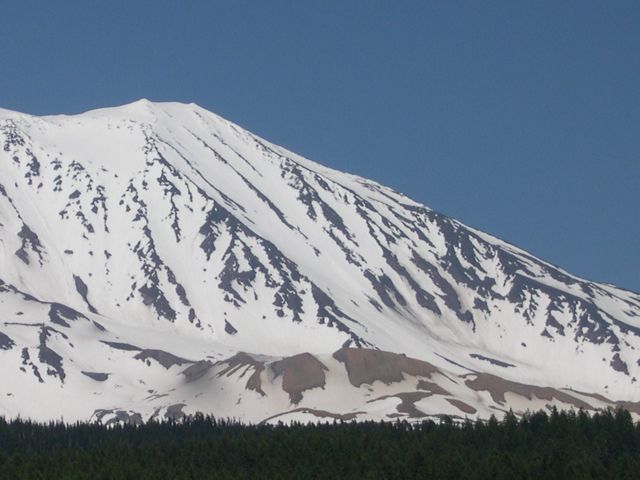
[(518, 118)]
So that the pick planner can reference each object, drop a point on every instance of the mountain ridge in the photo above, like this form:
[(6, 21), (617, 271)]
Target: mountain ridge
[(169, 229)]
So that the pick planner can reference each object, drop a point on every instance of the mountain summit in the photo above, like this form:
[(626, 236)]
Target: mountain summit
[(158, 260)]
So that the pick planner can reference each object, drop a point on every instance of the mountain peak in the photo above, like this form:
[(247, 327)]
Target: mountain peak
[(142, 109), (155, 254)]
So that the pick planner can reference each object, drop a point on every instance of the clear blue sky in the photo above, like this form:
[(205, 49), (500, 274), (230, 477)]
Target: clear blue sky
[(519, 118)]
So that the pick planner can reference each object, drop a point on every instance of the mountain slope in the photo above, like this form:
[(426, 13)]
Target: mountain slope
[(145, 245)]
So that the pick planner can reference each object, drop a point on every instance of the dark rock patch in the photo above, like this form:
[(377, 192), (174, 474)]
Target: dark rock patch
[(552, 322), (175, 413), (59, 314), (97, 376), (120, 416), (122, 346), (365, 366), (633, 407), (455, 363), (29, 241), (328, 313), (26, 360), (83, 290), (99, 326), (300, 372), (50, 357), (497, 387), (385, 288), (153, 296), (230, 329), (243, 360), (431, 387), (618, 364), (493, 361), (462, 406), (407, 403), (166, 359), (5, 342), (424, 298)]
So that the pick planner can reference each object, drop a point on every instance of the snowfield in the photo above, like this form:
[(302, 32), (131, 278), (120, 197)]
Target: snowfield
[(157, 260)]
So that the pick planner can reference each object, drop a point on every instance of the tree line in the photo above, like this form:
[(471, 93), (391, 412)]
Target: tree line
[(539, 445)]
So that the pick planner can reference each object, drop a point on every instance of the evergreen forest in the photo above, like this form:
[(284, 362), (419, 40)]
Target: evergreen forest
[(556, 445)]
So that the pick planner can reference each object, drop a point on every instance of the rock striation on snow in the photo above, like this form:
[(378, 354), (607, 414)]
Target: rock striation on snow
[(157, 260)]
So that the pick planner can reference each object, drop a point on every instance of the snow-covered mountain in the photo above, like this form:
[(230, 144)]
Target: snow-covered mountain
[(157, 260)]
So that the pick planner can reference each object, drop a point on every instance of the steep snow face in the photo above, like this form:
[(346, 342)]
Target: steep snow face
[(169, 229)]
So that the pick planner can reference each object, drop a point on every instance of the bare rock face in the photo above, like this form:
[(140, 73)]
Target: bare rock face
[(97, 376), (498, 387), (299, 373), (431, 387), (166, 359), (407, 403), (245, 363), (5, 342), (374, 381), (368, 366), (465, 408)]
